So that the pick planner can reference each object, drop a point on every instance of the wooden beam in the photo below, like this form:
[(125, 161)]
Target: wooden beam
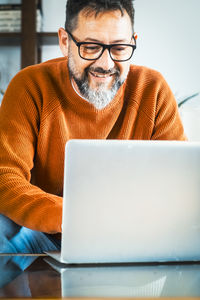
[(28, 33)]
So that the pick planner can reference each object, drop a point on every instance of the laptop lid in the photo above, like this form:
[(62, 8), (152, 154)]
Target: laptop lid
[(131, 201)]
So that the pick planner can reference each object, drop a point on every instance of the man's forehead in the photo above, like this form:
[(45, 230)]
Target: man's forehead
[(111, 20)]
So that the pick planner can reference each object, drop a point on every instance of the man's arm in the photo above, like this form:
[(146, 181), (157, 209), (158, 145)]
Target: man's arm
[(24, 203)]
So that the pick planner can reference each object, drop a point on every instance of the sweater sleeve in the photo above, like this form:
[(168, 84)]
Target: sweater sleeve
[(168, 124), (24, 203)]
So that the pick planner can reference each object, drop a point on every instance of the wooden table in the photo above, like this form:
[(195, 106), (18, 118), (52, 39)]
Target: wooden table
[(31, 276)]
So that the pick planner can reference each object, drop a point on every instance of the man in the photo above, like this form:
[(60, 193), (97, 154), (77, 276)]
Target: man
[(92, 92)]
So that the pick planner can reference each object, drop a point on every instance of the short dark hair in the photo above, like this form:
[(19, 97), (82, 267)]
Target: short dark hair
[(74, 7)]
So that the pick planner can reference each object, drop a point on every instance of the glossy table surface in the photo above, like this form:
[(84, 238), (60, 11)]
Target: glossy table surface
[(25, 276)]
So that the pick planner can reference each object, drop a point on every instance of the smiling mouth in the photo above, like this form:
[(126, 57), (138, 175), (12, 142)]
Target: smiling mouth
[(100, 75)]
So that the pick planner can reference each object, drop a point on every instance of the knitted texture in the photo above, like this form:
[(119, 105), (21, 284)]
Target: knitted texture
[(41, 111)]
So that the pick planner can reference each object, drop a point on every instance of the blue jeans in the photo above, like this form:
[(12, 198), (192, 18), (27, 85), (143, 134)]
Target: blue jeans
[(17, 239)]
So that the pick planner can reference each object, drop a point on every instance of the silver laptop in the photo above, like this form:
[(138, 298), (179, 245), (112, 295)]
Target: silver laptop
[(130, 201)]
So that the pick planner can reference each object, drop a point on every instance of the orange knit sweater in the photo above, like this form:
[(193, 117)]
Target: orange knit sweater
[(41, 111)]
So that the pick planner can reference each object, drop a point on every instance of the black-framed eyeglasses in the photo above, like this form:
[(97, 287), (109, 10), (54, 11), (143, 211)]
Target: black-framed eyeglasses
[(93, 51)]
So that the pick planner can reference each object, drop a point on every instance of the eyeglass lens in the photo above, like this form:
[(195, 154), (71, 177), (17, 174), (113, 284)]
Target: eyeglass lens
[(117, 52)]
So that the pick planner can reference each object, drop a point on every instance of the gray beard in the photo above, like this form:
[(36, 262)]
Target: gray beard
[(99, 97)]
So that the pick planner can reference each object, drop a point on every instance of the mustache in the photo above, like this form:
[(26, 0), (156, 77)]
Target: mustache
[(102, 71)]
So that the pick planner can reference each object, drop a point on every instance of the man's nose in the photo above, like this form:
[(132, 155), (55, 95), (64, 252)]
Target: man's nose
[(105, 61)]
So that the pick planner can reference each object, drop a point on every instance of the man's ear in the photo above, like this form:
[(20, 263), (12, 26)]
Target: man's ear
[(63, 41)]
